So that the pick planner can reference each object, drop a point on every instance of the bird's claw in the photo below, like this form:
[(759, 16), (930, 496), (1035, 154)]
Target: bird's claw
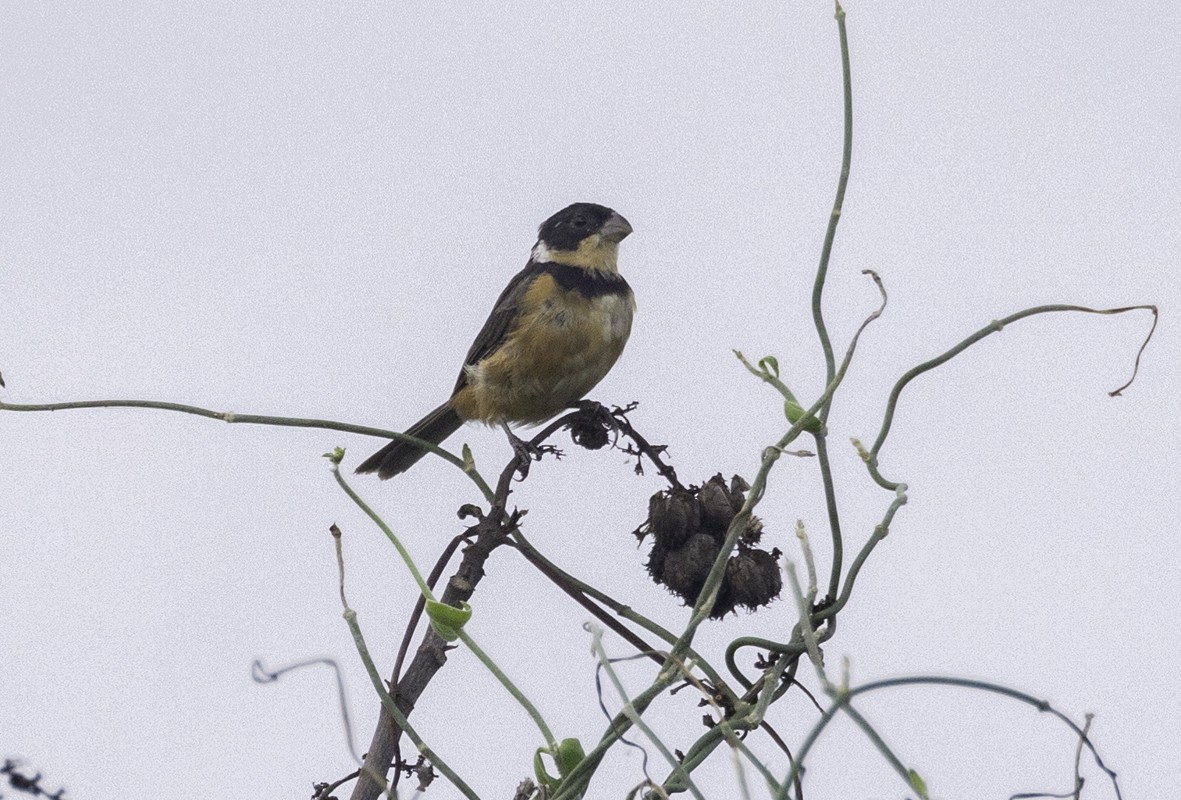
[(525, 453)]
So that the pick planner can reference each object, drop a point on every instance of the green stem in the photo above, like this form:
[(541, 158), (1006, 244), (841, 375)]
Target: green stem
[(708, 742), (631, 713), (796, 646), (767, 376), (834, 517), (995, 326), (580, 776), (698, 752), (740, 745), (388, 703), (574, 785), (880, 531), (879, 743), (258, 419), (805, 626), (846, 698), (626, 612), (517, 694), (835, 217), (402, 551), (350, 617)]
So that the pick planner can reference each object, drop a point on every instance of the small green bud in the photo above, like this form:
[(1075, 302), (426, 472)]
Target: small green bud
[(918, 784)]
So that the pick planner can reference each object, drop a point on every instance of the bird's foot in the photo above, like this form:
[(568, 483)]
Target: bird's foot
[(526, 453)]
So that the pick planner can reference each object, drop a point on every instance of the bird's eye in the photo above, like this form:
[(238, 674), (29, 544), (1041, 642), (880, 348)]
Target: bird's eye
[(579, 221)]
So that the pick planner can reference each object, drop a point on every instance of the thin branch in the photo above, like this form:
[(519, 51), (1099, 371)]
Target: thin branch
[(589, 596), (512, 688), (387, 701), (938, 680), (325, 790), (423, 588), (994, 327), (431, 581), (838, 202), (493, 530), (261, 674), (578, 779), (880, 531), (834, 517), (259, 419), (630, 711), (1079, 781)]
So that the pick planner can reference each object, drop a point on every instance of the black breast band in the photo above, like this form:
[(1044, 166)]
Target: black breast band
[(584, 281)]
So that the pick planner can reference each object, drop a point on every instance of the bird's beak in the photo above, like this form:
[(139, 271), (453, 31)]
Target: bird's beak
[(615, 229)]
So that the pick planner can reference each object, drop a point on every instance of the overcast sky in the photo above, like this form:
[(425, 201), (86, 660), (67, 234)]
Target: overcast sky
[(286, 209)]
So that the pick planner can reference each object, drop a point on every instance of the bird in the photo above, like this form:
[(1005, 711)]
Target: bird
[(555, 331)]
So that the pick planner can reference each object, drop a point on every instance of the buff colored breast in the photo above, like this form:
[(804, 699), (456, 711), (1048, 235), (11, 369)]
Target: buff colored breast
[(557, 352)]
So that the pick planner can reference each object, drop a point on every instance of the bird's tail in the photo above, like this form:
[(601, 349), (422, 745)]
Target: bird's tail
[(398, 456)]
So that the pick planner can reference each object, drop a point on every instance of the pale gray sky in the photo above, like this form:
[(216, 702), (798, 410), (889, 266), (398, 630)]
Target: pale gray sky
[(281, 208)]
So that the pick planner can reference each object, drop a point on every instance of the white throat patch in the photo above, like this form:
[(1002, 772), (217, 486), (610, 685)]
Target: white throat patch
[(541, 254)]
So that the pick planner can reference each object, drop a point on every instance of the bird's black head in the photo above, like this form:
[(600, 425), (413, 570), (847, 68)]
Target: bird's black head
[(567, 229)]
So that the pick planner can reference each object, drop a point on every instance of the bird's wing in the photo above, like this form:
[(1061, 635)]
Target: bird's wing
[(500, 321)]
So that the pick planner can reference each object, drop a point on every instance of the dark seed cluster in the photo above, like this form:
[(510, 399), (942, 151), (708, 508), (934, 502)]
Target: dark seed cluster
[(688, 527), (589, 431)]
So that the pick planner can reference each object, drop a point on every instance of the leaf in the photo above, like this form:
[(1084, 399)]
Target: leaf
[(447, 620), (794, 412)]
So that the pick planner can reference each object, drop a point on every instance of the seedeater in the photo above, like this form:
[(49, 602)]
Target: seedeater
[(556, 330)]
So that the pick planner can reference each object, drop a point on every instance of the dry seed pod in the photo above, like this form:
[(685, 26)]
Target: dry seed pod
[(673, 518), (716, 510), (588, 431), (685, 569), (754, 530), (753, 579), (688, 528), (656, 561), (738, 490)]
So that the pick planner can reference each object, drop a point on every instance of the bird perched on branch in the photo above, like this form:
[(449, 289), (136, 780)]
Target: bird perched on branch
[(556, 330)]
